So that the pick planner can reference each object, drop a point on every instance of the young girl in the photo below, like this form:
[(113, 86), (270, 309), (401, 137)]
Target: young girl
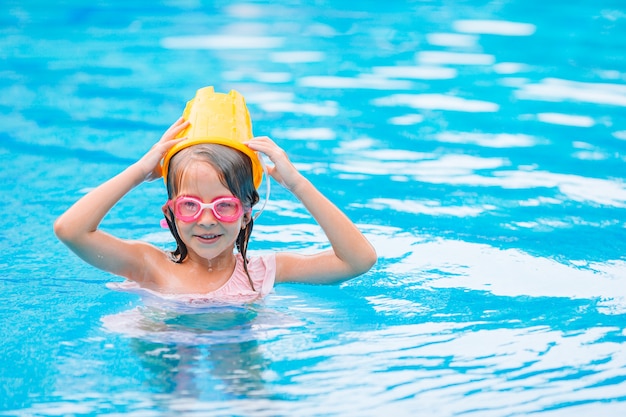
[(211, 185)]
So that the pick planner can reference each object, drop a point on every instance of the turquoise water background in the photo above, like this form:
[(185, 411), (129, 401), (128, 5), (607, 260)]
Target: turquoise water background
[(480, 145)]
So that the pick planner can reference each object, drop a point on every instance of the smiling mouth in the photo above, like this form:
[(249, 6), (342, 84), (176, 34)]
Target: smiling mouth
[(207, 237)]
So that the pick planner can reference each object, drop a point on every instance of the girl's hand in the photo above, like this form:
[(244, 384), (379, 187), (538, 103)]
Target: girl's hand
[(151, 161), (351, 253), (283, 171)]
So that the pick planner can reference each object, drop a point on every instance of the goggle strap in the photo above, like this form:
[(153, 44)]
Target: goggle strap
[(267, 188)]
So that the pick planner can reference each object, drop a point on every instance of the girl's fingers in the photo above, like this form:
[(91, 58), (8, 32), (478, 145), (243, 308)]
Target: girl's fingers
[(162, 147), (169, 144), (178, 126), (265, 145), (174, 125), (260, 141)]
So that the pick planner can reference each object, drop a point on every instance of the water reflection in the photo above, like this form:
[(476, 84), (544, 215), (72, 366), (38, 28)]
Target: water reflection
[(558, 90), (417, 72), (494, 27), (489, 140), (224, 42), (454, 58), (424, 262), (186, 324), (465, 369), (227, 370), (437, 102), (214, 353)]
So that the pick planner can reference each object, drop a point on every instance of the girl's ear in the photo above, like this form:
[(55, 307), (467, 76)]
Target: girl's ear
[(247, 216), (166, 212)]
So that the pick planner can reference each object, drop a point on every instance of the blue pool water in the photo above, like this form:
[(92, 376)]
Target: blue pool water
[(480, 145)]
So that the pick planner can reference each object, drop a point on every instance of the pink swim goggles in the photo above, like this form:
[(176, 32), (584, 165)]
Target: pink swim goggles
[(189, 209), (225, 209)]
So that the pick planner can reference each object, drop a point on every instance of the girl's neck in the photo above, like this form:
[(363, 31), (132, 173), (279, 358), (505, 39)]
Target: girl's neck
[(221, 263), (218, 265), (204, 275)]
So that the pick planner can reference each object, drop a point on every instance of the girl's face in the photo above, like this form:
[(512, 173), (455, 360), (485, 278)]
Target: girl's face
[(207, 237)]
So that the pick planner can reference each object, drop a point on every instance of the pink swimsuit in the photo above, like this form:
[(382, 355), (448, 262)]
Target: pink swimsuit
[(236, 290)]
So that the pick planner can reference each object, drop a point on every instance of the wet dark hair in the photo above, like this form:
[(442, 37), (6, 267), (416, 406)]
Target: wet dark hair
[(234, 169)]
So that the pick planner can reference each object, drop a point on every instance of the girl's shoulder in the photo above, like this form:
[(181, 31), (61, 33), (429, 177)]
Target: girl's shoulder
[(153, 264)]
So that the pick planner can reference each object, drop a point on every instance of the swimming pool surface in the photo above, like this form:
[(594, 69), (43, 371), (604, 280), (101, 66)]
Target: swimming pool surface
[(480, 145)]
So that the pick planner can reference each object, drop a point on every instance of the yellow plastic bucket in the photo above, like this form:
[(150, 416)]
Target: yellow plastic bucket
[(217, 118)]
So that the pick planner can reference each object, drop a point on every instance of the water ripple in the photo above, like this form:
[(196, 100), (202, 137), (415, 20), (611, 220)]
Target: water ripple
[(507, 272), (494, 27), (222, 42), (362, 81), (437, 102), (554, 89)]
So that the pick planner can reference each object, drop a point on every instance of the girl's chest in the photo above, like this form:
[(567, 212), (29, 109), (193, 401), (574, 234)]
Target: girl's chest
[(183, 278)]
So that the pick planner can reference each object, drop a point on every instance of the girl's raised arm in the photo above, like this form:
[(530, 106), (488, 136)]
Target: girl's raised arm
[(351, 252), (78, 226)]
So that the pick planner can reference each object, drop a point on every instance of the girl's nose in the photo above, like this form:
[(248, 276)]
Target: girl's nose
[(207, 217)]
